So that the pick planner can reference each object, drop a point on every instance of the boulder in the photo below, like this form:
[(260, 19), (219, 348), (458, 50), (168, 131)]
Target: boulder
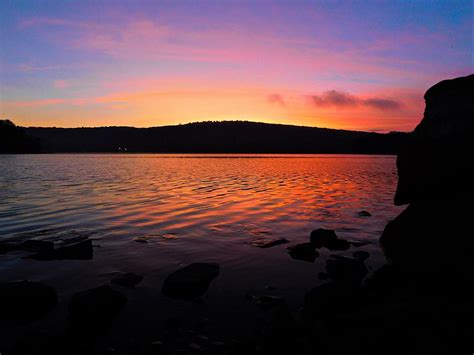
[(436, 170), (191, 281), (327, 238), (26, 300), (437, 162), (93, 310), (364, 214)]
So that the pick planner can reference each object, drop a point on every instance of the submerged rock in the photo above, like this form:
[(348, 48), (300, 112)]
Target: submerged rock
[(76, 249), (32, 245), (267, 242), (190, 282), (26, 300), (94, 309), (328, 239), (128, 279), (304, 251)]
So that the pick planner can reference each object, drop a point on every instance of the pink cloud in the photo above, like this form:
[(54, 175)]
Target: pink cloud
[(61, 84)]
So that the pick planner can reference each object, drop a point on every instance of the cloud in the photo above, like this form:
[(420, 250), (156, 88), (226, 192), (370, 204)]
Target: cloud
[(382, 104), (340, 99), (276, 99), (60, 84), (335, 98)]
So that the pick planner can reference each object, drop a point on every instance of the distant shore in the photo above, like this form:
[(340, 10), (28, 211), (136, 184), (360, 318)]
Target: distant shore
[(228, 137)]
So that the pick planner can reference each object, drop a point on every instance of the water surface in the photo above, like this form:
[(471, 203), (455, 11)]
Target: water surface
[(192, 208)]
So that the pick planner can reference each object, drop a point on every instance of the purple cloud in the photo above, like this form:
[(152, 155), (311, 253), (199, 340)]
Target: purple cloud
[(343, 100)]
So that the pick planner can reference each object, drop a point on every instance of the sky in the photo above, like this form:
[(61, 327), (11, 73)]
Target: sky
[(361, 65)]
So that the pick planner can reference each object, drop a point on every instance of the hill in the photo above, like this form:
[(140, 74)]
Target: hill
[(215, 137)]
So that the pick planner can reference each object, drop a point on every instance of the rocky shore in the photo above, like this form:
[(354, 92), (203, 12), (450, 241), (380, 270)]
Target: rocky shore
[(419, 302)]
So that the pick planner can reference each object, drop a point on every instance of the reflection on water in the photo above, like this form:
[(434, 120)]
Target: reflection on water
[(151, 214), (196, 196)]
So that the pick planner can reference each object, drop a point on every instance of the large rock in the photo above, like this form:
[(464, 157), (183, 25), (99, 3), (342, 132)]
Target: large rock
[(437, 162), (436, 170), (190, 282), (26, 300)]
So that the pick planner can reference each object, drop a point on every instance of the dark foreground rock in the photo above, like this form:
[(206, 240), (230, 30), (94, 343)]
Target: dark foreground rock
[(93, 310), (341, 268), (26, 300), (190, 282), (328, 239), (421, 302)]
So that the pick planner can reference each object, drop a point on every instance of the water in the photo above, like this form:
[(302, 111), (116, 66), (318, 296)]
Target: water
[(192, 208)]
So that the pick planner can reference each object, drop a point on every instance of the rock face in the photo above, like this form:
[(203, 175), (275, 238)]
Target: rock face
[(190, 282), (437, 162), (436, 170)]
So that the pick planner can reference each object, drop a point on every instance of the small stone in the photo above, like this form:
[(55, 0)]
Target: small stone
[(364, 214), (304, 251), (267, 242)]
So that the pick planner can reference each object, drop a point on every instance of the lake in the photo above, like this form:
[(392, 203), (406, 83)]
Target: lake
[(152, 214)]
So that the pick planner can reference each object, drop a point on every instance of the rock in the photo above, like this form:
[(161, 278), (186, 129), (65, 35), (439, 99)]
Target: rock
[(330, 299), (341, 268), (75, 249), (127, 279), (81, 250), (26, 300), (357, 244), (361, 255), (93, 310), (364, 214), (437, 163), (319, 237), (190, 282), (327, 238), (28, 245), (267, 242), (435, 174), (304, 251)]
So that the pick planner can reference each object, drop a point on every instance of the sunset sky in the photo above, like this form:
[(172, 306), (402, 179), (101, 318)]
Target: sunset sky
[(361, 65)]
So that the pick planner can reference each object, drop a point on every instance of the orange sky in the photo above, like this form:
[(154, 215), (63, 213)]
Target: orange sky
[(149, 64)]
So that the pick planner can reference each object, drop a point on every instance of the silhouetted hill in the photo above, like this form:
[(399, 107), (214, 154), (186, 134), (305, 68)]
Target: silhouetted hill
[(216, 137), (14, 139)]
